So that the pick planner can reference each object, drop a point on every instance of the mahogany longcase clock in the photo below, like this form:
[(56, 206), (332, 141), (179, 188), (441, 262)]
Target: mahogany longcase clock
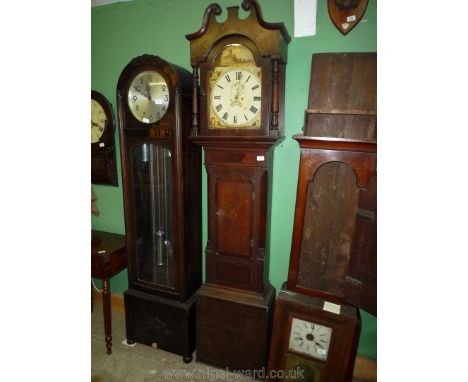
[(334, 244), (332, 271), (238, 117), (162, 199)]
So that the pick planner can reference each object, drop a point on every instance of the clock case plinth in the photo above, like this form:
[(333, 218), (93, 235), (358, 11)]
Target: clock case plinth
[(346, 327), (159, 314), (234, 327), (235, 306)]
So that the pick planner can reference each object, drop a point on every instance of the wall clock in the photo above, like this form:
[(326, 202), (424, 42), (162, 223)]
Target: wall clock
[(103, 162), (313, 340), (238, 118), (162, 200)]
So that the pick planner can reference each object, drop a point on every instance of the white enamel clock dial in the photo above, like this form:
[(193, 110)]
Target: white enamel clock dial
[(98, 121), (148, 97), (309, 338), (236, 97)]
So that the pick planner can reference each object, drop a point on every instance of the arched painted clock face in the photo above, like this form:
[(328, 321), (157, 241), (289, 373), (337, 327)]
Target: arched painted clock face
[(98, 121), (236, 98), (310, 339), (148, 96)]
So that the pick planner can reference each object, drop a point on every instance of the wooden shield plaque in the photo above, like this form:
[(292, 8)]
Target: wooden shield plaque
[(346, 14)]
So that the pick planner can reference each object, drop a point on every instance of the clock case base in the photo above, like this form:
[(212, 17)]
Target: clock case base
[(345, 326), (156, 321), (104, 166), (234, 327)]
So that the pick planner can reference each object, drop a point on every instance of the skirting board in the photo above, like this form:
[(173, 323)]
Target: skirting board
[(365, 368)]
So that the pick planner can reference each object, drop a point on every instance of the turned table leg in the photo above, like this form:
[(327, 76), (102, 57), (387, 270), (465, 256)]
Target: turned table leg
[(106, 306)]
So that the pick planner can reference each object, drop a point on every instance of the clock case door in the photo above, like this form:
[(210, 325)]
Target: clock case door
[(237, 211), (345, 326), (162, 188)]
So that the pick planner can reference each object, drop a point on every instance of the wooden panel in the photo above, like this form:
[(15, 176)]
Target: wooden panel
[(156, 321), (233, 329), (359, 127), (328, 228), (343, 83), (360, 284), (233, 216), (237, 275), (233, 157)]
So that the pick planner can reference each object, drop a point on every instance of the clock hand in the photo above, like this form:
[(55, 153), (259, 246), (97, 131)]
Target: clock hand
[(143, 94), (238, 89), (94, 124), (148, 92)]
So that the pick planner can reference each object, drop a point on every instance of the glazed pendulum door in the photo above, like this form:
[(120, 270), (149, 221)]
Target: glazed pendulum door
[(153, 191)]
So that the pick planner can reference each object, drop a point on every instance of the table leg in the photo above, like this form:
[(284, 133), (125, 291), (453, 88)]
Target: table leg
[(106, 306)]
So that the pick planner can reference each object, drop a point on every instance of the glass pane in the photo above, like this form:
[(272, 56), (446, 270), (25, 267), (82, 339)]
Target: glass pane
[(152, 192)]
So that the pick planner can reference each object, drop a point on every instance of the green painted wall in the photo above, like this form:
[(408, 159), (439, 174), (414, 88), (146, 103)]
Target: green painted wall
[(126, 30)]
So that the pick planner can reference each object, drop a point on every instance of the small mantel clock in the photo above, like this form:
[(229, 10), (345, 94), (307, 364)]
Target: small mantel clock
[(238, 118), (103, 163), (162, 198), (313, 340)]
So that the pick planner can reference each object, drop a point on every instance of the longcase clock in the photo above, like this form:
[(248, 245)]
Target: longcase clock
[(238, 118), (332, 271), (334, 244), (162, 198)]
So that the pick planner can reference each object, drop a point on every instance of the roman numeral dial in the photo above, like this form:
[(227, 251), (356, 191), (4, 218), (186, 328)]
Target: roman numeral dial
[(235, 97)]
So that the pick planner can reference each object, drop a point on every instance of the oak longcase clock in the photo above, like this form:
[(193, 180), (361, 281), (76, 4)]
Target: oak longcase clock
[(332, 270), (334, 244), (162, 198), (238, 118)]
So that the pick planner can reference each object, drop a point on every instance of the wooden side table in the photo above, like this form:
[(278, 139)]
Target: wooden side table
[(108, 257)]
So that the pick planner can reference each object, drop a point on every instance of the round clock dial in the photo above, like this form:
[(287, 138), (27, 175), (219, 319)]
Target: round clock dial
[(236, 97), (98, 121), (309, 338), (148, 96)]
